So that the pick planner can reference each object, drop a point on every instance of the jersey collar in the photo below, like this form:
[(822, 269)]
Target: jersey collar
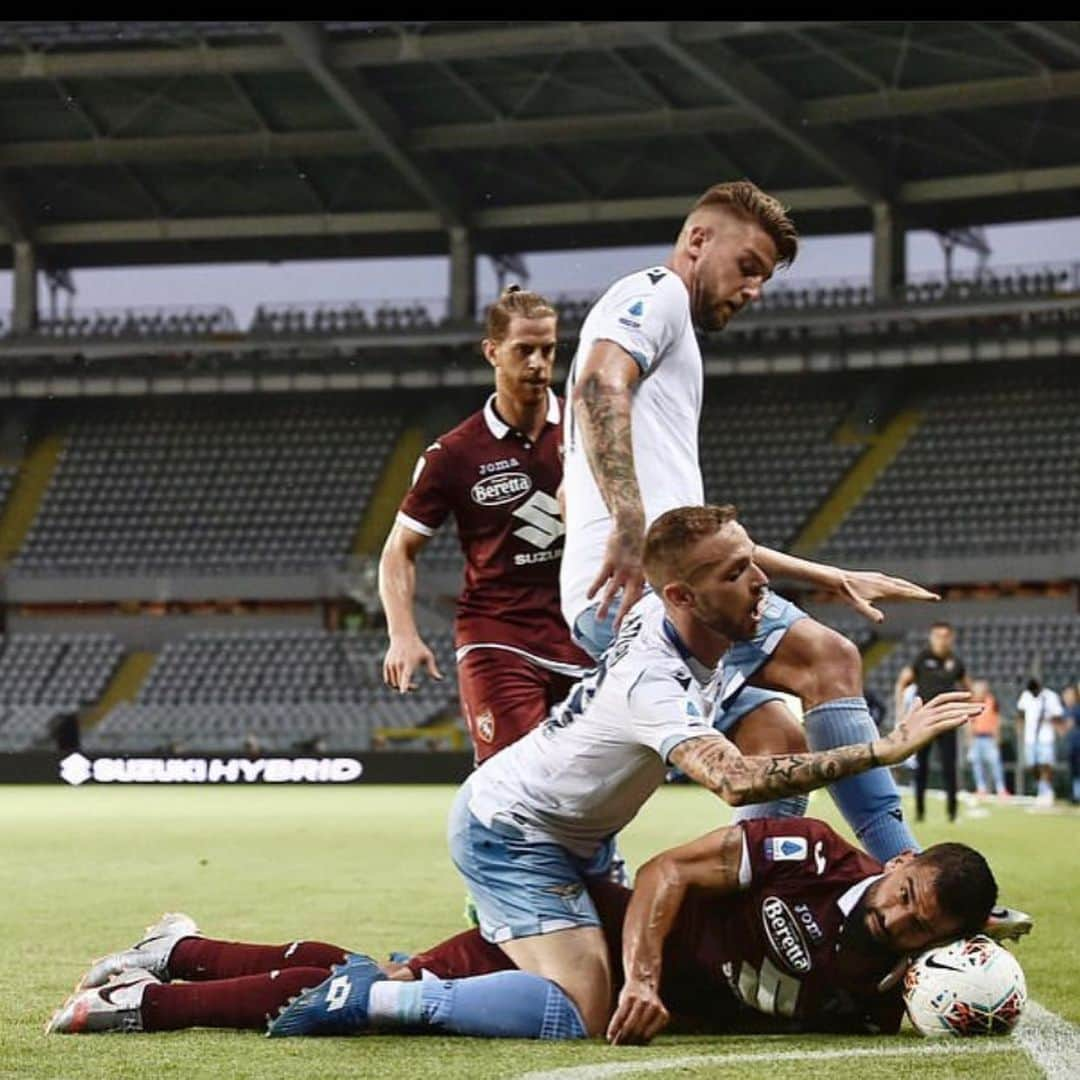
[(849, 899), (500, 429), (697, 668)]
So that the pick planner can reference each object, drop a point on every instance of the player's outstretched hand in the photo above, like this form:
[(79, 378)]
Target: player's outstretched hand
[(621, 570), (860, 587), (925, 723), (403, 658), (639, 1017)]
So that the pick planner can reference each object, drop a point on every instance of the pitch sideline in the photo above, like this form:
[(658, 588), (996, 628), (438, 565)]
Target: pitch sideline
[(1048, 1039)]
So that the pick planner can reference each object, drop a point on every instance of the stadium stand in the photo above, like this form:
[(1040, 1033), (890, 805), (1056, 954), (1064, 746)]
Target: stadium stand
[(8, 473), (217, 692), (994, 468), (1002, 283), (1003, 649), (140, 324), (312, 319), (349, 317), (766, 446), (197, 484), (45, 675)]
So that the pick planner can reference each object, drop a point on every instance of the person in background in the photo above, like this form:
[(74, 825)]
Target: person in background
[(1070, 698), (935, 670), (985, 751), (1038, 708), (497, 473)]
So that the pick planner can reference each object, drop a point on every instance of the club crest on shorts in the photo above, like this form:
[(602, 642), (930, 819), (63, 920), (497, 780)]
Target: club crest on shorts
[(485, 726), (785, 848)]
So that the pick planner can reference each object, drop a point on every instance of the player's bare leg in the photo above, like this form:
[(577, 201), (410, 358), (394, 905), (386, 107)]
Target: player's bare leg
[(771, 728), (576, 960)]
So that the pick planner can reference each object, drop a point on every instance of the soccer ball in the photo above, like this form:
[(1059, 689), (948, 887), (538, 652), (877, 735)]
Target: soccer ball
[(969, 987)]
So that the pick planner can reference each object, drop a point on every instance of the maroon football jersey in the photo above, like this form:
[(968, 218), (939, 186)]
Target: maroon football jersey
[(764, 959), (500, 486), (774, 945)]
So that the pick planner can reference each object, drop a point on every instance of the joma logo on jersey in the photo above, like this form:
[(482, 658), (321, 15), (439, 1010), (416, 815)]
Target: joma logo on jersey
[(501, 488), (785, 935), (543, 524)]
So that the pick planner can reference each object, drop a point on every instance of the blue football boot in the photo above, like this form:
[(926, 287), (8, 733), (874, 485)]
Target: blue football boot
[(337, 1006)]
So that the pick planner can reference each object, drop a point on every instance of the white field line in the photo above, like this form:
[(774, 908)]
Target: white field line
[(928, 1048), (1048, 1039), (1051, 1042)]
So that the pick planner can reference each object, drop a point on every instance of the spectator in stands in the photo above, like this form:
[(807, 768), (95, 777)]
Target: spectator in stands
[(985, 751), (1037, 710), (1070, 698), (936, 670)]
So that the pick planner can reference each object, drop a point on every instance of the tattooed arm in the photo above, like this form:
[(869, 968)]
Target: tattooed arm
[(602, 398), (716, 763), (857, 588)]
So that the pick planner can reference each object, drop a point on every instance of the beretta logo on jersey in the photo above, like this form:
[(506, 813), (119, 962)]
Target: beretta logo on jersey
[(501, 488), (785, 935), (785, 848)]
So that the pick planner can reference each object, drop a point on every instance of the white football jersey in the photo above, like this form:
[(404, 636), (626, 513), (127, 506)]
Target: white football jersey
[(648, 314), (584, 773), (1040, 710)]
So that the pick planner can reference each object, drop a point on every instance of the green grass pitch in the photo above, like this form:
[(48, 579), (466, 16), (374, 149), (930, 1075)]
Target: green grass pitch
[(85, 869)]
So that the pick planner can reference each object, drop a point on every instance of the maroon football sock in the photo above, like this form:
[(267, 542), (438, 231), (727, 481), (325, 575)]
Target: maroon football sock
[(200, 959), (464, 954), (229, 1003)]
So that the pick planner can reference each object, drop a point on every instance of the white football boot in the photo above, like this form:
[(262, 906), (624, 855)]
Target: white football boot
[(116, 1006), (150, 954), (1006, 922)]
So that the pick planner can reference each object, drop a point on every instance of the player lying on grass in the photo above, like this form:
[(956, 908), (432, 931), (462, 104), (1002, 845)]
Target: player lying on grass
[(762, 925), (535, 822)]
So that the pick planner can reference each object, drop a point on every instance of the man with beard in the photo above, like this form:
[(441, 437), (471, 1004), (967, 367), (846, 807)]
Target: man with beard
[(759, 926), (636, 387), (536, 821), (497, 473)]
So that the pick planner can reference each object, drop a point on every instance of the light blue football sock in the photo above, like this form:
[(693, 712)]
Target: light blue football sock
[(870, 801), (791, 806), (502, 1005)]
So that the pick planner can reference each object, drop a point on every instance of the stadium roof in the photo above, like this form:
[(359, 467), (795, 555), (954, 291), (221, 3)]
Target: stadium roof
[(189, 141)]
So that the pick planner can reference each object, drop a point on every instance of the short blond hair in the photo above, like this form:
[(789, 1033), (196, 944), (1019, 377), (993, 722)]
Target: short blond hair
[(745, 198), (674, 533), (516, 301)]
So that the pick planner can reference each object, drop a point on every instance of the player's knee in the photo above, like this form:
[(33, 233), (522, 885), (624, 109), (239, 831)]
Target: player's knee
[(770, 729), (833, 663)]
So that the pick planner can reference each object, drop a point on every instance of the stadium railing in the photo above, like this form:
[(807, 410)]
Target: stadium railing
[(292, 319), (348, 317), (140, 323)]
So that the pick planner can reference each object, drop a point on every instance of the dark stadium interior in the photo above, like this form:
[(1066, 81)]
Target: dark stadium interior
[(191, 505)]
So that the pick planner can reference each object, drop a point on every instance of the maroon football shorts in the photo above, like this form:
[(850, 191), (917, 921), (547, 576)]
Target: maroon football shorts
[(504, 696)]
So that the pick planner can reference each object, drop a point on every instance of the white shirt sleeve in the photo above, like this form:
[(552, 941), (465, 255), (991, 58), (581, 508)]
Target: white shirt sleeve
[(1054, 708), (642, 317), (663, 713), (1023, 701)]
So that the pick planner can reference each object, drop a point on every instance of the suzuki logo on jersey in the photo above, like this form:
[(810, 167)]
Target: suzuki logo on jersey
[(501, 488), (543, 523), (785, 848), (785, 935)]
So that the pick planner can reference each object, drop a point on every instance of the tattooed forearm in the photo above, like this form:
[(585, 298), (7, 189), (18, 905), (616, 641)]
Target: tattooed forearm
[(715, 762), (603, 411)]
